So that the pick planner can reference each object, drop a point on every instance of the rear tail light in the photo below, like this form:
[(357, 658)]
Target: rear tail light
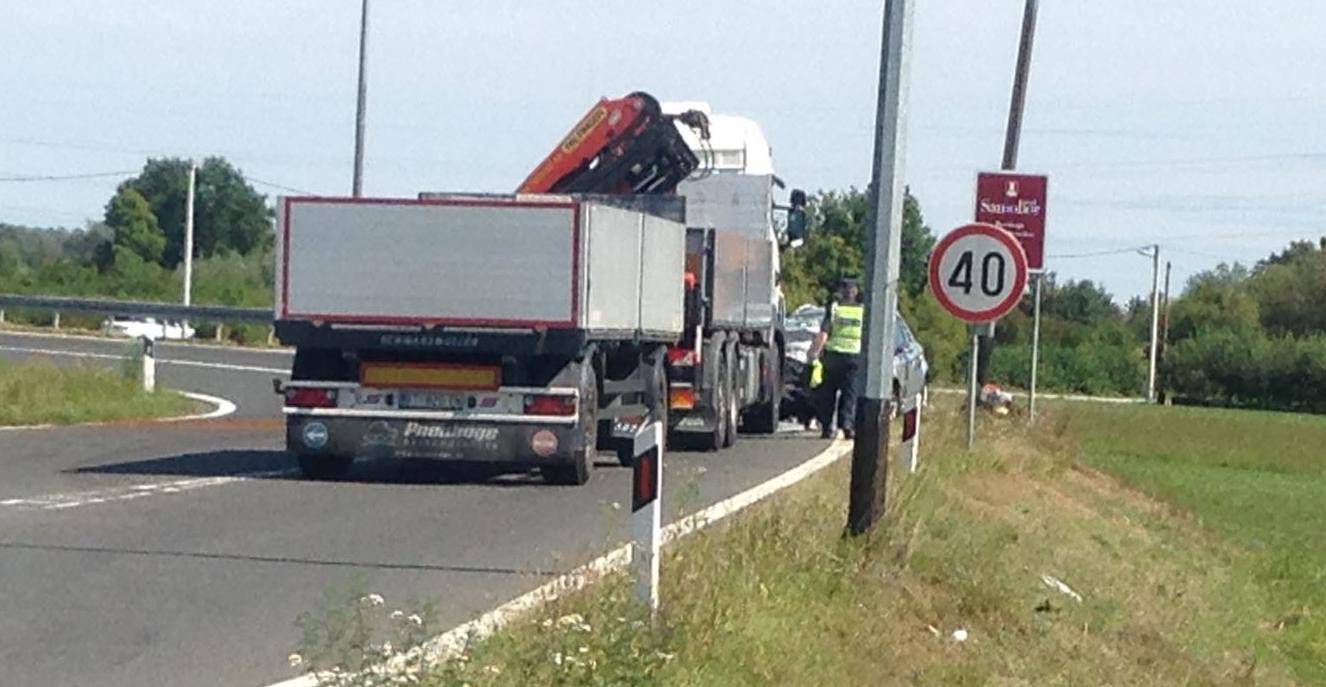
[(304, 397), (682, 398), (542, 404), (683, 357)]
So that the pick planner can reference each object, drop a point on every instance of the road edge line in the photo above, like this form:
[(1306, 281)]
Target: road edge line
[(223, 408), (455, 640)]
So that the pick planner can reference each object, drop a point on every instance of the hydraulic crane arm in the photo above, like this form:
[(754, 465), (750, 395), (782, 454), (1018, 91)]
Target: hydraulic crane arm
[(620, 146)]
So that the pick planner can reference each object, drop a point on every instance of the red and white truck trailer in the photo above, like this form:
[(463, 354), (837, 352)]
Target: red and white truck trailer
[(534, 329)]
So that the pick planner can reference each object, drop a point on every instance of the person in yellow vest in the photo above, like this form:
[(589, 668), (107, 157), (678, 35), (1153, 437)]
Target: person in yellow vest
[(840, 341)]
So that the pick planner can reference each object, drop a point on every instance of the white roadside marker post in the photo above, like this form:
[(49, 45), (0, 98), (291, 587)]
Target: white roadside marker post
[(646, 513), (911, 435), (149, 364)]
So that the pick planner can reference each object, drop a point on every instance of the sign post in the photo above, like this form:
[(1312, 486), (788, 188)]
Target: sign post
[(978, 273), (646, 513), (1035, 346), (1016, 204)]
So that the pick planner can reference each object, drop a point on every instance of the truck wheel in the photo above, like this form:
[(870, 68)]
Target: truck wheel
[(763, 417), (322, 466), (713, 383), (582, 459), (731, 410)]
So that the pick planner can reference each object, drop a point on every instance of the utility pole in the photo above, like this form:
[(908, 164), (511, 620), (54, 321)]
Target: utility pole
[(358, 184), (1164, 329), (870, 452), (1012, 139), (188, 233), (1155, 323)]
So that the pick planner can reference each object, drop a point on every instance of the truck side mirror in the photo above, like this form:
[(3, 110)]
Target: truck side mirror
[(796, 224)]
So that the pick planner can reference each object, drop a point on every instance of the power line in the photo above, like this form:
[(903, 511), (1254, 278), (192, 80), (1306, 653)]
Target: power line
[(282, 187), (1200, 254), (66, 177), (1101, 252)]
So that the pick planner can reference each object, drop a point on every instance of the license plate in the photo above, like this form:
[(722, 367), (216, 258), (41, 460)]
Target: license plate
[(430, 400)]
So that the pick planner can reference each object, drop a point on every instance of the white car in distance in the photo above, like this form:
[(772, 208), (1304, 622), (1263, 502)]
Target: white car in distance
[(133, 328)]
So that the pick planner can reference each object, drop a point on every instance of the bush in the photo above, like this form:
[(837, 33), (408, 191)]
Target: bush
[(1088, 368), (1279, 373)]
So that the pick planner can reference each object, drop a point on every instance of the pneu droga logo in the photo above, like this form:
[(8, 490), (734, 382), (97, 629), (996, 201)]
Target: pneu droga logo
[(414, 430)]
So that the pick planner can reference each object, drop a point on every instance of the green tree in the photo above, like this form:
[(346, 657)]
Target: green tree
[(135, 227), (1083, 302), (229, 215), (837, 244), (1214, 302), (1289, 288)]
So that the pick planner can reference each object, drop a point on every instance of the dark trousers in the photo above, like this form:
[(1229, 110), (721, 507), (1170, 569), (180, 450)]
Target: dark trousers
[(838, 389)]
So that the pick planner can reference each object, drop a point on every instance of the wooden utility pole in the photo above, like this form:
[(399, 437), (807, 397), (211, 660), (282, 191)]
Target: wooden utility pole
[(1012, 141)]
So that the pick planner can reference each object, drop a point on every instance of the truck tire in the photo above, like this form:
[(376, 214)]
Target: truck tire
[(718, 397), (323, 466), (578, 470), (731, 410), (763, 418)]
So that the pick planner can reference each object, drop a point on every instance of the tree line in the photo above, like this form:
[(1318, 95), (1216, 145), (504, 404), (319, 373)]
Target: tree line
[(1241, 336), (136, 250), (1247, 337)]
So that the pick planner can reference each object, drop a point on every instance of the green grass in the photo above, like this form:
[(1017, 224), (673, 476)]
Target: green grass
[(1256, 478), (39, 392), (1172, 593)]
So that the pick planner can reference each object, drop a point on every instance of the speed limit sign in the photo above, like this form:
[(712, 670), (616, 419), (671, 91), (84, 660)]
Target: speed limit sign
[(978, 272)]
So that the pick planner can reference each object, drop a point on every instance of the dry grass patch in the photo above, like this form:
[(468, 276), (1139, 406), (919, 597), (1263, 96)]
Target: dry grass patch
[(958, 587)]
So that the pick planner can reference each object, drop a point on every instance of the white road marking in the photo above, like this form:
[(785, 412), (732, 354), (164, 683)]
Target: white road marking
[(132, 492), (160, 361), (222, 409), (454, 641)]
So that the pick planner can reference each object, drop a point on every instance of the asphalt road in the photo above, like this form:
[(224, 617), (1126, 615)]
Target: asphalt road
[(181, 554)]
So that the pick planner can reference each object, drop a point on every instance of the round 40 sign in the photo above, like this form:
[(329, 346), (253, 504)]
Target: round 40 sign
[(978, 272)]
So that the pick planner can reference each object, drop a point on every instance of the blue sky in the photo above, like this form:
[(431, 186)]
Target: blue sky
[(1194, 124)]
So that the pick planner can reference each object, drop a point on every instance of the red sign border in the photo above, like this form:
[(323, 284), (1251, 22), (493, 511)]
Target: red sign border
[(1019, 261)]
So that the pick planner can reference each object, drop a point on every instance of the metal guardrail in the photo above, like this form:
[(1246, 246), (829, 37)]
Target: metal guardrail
[(163, 311)]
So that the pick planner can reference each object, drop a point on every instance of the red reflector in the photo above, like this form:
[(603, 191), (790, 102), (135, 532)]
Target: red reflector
[(303, 397), (683, 357), (538, 404)]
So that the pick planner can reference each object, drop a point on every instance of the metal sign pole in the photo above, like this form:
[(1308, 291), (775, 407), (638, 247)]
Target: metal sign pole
[(646, 513), (971, 386), (1035, 346)]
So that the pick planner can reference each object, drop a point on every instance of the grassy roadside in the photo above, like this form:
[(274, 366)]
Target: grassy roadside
[(1256, 478), (778, 597), (39, 392)]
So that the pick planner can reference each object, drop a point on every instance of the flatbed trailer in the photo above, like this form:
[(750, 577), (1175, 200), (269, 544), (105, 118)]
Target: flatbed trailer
[(521, 330)]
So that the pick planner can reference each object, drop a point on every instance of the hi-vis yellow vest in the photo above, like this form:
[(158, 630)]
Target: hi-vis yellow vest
[(847, 325)]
